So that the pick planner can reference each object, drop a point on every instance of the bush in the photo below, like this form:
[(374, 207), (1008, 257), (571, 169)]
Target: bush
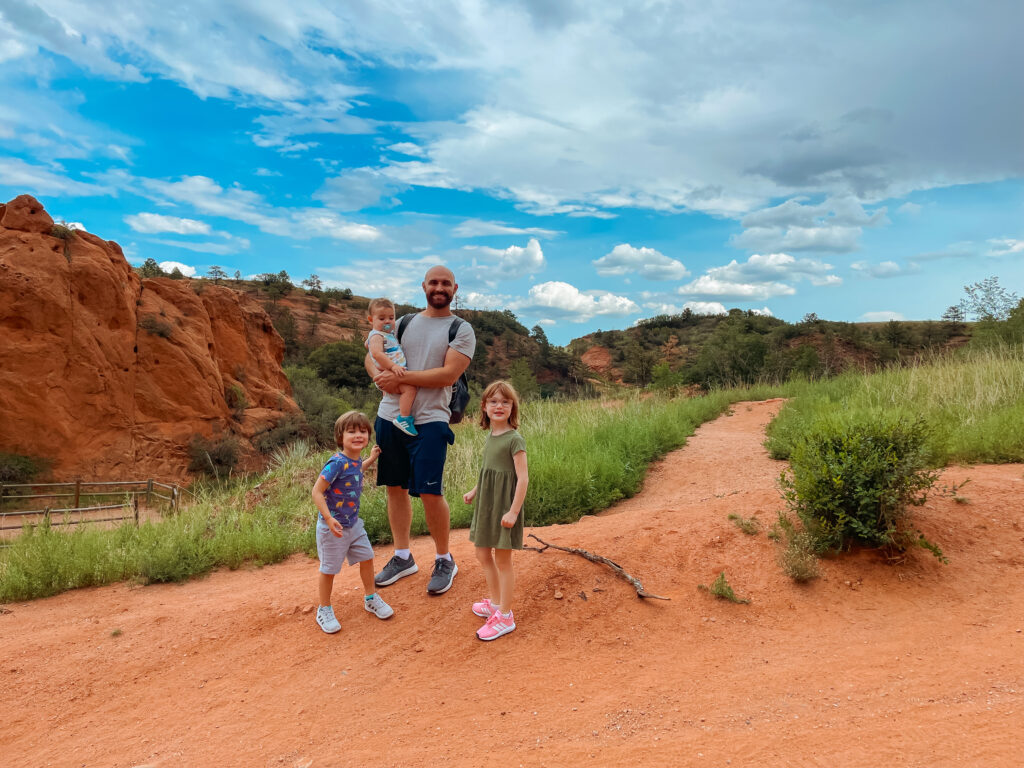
[(216, 457), (151, 324), (854, 483), (15, 468), (287, 431), (236, 400)]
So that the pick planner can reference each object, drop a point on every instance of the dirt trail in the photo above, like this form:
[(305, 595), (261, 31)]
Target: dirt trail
[(918, 664)]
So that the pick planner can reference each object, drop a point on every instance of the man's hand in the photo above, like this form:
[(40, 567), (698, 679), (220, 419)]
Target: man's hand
[(387, 381)]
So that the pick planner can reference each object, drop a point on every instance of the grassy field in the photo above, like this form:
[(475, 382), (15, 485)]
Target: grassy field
[(583, 457), (972, 403)]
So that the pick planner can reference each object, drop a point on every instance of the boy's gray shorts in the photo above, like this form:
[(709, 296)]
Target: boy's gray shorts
[(332, 550)]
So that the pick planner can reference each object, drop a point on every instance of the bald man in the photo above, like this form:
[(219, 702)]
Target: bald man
[(413, 466)]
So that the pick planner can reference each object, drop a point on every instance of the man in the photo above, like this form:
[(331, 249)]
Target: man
[(414, 466)]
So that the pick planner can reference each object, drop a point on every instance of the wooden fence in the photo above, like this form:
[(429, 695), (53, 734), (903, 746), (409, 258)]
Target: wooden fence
[(131, 491)]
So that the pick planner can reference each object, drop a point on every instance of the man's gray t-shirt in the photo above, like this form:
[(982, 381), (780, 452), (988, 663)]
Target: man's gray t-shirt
[(425, 343)]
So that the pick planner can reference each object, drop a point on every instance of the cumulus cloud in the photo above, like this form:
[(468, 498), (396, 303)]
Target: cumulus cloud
[(480, 228), (707, 285), (611, 118), (155, 223), (495, 265), (396, 278), (706, 307), (834, 226), (625, 260), (576, 305), (881, 316)]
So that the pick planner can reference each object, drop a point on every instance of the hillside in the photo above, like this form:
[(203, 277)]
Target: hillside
[(108, 375)]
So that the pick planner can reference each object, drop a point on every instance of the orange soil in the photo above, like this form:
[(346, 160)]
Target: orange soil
[(912, 664)]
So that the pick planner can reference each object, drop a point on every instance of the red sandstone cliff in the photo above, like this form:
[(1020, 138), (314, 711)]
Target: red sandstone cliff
[(83, 384)]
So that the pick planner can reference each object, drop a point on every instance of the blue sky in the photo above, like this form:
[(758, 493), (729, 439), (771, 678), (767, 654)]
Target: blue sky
[(584, 164)]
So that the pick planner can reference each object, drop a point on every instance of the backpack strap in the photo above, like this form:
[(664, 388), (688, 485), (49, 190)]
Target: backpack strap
[(453, 329), (403, 321)]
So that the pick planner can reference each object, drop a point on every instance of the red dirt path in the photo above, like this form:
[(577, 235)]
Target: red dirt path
[(918, 664)]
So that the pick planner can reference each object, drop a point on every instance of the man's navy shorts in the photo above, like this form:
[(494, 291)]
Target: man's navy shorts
[(414, 463)]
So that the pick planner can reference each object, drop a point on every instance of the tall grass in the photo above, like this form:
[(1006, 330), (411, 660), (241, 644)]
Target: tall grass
[(583, 456), (973, 404)]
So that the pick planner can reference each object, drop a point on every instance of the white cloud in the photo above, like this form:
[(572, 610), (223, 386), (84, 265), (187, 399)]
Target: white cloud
[(267, 172), (477, 300), (706, 285), (706, 307), (764, 312), (883, 269), (40, 181), (909, 209), (1005, 246), (600, 105), (154, 223), (479, 228), (577, 306), (398, 279), (185, 269), (881, 316), (515, 261), (359, 188), (624, 259), (834, 225)]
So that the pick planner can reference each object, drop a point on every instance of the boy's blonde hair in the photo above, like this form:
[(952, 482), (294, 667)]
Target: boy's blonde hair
[(381, 302), (352, 420), (504, 389)]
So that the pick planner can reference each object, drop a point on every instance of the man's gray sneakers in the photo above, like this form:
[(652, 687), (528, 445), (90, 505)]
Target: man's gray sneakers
[(396, 568), (442, 577)]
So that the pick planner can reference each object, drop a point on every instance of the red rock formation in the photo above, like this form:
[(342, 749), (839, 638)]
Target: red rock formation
[(110, 375)]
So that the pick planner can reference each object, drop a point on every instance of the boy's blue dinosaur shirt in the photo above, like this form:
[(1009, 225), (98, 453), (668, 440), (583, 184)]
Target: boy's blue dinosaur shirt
[(345, 478)]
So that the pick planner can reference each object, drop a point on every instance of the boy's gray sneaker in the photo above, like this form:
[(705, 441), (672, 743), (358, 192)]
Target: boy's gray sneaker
[(442, 577), (378, 607), (326, 619), (396, 568)]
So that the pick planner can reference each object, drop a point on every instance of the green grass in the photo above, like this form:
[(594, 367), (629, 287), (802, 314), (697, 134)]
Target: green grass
[(583, 457), (721, 589), (973, 404)]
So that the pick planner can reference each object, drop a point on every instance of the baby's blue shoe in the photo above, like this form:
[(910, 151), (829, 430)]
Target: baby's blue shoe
[(406, 424), (325, 618)]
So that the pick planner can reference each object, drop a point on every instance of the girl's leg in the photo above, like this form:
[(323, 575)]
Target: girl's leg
[(406, 396), (326, 585), (506, 578), (366, 575), (486, 560)]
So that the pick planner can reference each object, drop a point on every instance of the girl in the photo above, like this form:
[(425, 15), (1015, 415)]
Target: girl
[(497, 526)]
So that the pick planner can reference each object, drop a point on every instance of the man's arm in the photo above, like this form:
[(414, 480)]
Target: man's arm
[(455, 364)]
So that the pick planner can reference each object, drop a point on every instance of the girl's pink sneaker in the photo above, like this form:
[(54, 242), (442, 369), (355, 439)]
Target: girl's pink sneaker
[(496, 626), (483, 609)]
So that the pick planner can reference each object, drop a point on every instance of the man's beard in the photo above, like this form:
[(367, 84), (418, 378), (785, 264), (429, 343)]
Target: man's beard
[(439, 299)]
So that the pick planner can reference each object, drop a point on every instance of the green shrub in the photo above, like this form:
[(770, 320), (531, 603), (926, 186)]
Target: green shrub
[(854, 483), (15, 468), (216, 457), (287, 431), (721, 589), (151, 324), (235, 397), (749, 525)]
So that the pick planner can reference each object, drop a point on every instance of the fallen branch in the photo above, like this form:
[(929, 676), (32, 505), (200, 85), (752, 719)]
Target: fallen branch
[(640, 591)]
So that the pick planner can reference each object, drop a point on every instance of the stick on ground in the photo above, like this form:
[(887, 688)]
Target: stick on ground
[(640, 591)]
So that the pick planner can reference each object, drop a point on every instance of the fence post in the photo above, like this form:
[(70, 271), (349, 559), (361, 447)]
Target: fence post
[(174, 498), (149, 490), (78, 491), (135, 507)]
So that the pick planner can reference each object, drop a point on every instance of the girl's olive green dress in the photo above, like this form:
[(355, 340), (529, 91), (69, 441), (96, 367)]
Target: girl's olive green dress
[(494, 491)]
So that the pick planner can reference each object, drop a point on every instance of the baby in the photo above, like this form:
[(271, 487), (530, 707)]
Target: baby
[(387, 355)]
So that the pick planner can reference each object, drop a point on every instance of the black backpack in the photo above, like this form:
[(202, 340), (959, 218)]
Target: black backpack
[(460, 389)]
